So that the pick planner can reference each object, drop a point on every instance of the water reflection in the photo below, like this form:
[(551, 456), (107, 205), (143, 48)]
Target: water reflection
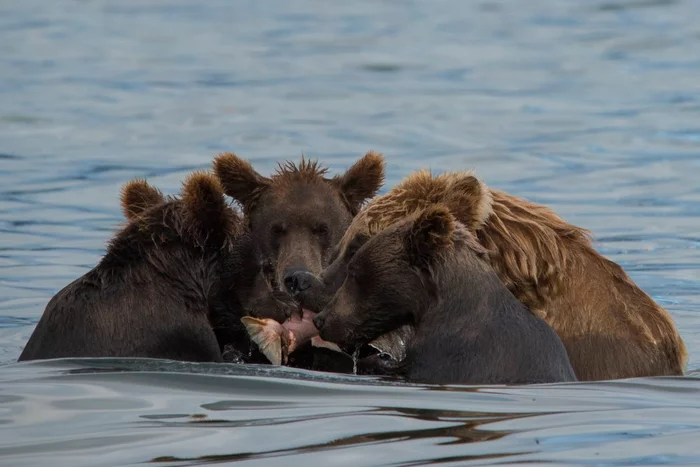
[(170, 412)]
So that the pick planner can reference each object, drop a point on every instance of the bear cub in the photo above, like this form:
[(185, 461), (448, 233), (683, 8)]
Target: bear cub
[(181, 273), (430, 272)]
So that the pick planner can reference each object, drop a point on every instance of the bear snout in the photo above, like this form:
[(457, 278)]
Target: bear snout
[(297, 280), (310, 291), (333, 329)]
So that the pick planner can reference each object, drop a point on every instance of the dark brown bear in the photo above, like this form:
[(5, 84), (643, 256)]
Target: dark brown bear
[(179, 270), (298, 214), (430, 272)]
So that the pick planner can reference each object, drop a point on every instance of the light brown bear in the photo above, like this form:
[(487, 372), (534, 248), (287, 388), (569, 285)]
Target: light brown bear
[(609, 326)]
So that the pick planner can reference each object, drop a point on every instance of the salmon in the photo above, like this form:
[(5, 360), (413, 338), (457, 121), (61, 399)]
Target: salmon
[(278, 340)]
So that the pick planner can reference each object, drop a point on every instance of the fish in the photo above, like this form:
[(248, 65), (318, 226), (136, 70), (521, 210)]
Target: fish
[(267, 334), (276, 341)]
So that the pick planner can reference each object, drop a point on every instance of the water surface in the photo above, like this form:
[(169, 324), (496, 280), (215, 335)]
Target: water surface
[(590, 107)]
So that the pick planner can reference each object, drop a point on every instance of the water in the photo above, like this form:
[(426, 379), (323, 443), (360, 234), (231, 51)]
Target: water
[(590, 107)]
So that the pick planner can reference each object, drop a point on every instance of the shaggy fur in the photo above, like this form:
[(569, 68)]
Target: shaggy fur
[(610, 327), (137, 196)]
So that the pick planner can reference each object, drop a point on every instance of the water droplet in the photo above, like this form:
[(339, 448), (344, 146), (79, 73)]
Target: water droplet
[(355, 356)]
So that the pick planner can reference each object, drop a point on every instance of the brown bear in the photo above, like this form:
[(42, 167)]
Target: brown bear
[(610, 327), (430, 272), (298, 213), (180, 272)]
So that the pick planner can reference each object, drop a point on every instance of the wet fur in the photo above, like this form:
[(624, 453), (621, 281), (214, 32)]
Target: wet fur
[(430, 272), (168, 281)]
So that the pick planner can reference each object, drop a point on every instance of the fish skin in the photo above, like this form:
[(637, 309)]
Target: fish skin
[(267, 335), (276, 341)]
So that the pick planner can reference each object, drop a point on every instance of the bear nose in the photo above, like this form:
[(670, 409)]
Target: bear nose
[(296, 280), (319, 320)]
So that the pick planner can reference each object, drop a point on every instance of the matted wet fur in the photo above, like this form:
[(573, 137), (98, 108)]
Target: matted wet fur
[(179, 269), (298, 213), (430, 272), (610, 327)]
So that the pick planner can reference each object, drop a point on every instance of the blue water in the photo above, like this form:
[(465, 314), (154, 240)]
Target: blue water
[(592, 108)]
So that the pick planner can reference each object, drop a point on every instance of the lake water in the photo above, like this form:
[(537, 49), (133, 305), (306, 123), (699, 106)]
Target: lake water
[(591, 107)]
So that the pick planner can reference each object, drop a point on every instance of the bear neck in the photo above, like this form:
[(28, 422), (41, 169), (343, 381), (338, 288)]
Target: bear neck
[(467, 291)]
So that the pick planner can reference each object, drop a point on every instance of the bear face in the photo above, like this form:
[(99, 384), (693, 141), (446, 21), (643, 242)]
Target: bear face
[(430, 272), (462, 192), (298, 214), (386, 283), (610, 327), (169, 278)]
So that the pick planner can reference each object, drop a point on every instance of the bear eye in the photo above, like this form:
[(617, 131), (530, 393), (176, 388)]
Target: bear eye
[(278, 230), (321, 229)]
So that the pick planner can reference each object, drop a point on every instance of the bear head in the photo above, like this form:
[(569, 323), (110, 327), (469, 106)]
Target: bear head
[(394, 277), (298, 214)]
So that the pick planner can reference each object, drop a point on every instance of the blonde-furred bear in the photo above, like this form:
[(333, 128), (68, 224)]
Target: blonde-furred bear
[(609, 326)]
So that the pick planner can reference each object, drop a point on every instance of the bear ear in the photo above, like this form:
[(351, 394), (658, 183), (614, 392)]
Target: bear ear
[(362, 181), (137, 196), (429, 234), (205, 205), (240, 181), (472, 200)]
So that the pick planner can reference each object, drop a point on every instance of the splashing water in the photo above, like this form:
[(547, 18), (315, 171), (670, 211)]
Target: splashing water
[(231, 355)]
